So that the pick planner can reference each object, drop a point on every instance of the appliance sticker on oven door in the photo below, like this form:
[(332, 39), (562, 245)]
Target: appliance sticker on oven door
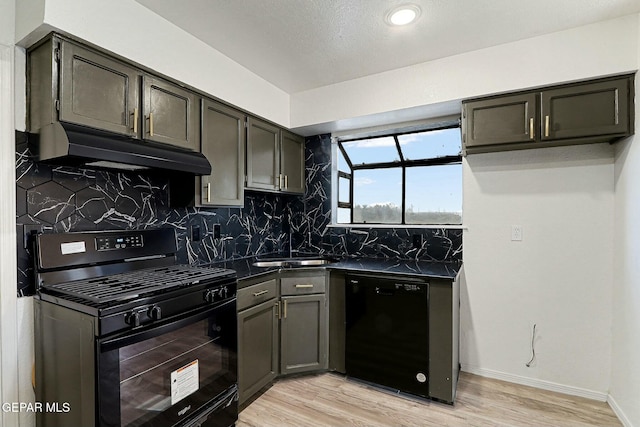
[(72, 248), (184, 381)]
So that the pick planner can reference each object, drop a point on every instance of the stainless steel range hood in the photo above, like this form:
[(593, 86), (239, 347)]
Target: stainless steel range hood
[(69, 144)]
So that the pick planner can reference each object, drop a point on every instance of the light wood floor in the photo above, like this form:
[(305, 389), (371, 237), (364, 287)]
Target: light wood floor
[(333, 400)]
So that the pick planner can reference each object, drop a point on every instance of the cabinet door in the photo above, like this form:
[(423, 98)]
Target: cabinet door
[(292, 162), (97, 91), (263, 162), (303, 334), (593, 109), (170, 114), (501, 120), (223, 136), (257, 348)]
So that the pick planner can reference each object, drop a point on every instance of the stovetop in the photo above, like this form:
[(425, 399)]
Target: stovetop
[(131, 285), (126, 279)]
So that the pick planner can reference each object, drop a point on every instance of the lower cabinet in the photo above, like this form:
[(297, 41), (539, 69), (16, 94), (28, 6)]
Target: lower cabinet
[(282, 327), (303, 334), (258, 336)]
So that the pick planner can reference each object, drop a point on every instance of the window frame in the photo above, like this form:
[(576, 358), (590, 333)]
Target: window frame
[(402, 163)]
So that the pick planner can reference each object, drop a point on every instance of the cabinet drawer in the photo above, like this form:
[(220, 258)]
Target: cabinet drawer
[(302, 285), (255, 294)]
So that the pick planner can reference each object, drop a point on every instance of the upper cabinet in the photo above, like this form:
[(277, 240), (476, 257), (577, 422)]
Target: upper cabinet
[(501, 120), (292, 162), (275, 158), (170, 114), (75, 84), (223, 137), (263, 160), (97, 91), (594, 111), (599, 108)]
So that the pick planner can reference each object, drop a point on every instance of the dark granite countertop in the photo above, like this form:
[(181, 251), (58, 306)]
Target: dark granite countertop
[(443, 270), (446, 270)]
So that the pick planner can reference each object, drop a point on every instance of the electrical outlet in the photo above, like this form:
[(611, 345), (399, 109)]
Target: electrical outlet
[(417, 241), (195, 233), (516, 233)]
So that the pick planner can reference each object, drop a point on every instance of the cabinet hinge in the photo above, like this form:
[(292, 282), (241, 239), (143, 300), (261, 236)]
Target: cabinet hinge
[(246, 179), (57, 105), (56, 54)]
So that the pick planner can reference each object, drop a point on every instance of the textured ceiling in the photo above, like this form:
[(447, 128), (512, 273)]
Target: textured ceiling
[(304, 44)]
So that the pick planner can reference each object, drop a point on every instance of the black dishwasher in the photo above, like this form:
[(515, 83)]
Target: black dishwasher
[(387, 332)]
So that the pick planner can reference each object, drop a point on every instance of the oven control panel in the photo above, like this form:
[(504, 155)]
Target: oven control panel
[(119, 242)]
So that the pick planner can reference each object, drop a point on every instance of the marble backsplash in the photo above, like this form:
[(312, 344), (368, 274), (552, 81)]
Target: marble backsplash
[(65, 199), (62, 199)]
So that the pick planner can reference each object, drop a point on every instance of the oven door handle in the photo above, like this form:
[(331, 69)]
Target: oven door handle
[(154, 330)]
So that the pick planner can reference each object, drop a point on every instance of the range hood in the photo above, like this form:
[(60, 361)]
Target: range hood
[(69, 144)]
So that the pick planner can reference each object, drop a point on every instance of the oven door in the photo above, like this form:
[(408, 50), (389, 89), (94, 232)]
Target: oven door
[(171, 373)]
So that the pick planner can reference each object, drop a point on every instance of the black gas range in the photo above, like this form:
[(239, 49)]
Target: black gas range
[(125, 336)]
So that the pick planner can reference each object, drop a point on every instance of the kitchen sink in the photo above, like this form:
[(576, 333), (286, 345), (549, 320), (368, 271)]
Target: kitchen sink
[(292, 262)]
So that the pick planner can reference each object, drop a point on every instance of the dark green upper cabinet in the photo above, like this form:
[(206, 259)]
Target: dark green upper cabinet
[(73, 83), (275, 158), (223, 136), (500, 120), (97, 91), (292, 162), (170, 114), (600, 108), (263, 161)]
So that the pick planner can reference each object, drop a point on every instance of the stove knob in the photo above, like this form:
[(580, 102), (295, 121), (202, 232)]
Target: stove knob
[(222, 293), (155, 313), (132, 319), (210, 296)]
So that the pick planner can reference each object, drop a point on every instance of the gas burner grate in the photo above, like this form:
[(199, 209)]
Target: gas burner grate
[(124, 286)]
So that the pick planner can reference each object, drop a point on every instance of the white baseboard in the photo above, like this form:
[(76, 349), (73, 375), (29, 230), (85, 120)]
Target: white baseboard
[(618, 411), (542, 384)]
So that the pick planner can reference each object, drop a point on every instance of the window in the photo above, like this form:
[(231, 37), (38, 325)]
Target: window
[(403, 178)]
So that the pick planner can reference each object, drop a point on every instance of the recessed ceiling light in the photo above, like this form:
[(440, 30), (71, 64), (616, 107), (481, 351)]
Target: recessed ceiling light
[(403, 15)]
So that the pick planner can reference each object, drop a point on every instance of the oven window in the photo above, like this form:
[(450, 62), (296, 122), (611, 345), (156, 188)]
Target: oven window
[(161, 371)]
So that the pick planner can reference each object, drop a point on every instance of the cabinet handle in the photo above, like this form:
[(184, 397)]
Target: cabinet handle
[(531, 134), (277, 304), (257, 294), (150, 124), (304, 286), (546, 125), (286, 182), (280, 181), (135, 120), (285, 309), (208, 192)]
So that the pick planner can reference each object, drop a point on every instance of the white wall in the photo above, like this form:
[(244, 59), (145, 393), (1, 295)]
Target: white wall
[(625, 374), (593, 50), (558, 277), (8, 329), (127, 28)]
